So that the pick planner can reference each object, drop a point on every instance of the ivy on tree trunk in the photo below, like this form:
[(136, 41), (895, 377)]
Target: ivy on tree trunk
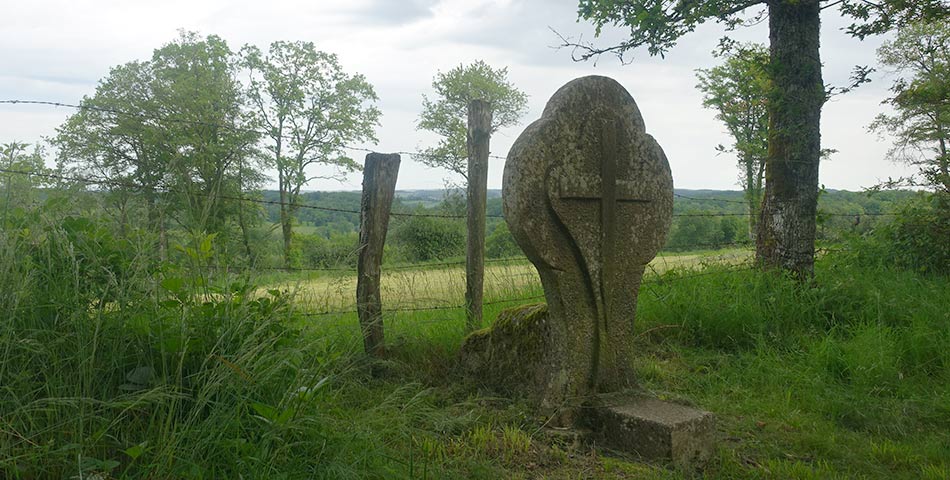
[(786, 235)]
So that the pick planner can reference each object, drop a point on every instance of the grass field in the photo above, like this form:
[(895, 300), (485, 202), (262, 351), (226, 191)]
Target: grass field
[(847, 377), (437, 286)]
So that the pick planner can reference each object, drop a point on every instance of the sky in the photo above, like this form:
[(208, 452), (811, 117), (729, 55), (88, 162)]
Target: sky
[(57, 50)]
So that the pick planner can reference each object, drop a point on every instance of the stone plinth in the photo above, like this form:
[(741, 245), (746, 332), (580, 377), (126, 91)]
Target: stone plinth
[(654, 430)]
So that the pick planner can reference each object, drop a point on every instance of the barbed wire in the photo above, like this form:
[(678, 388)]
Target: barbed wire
[(231, 127), (385, 268), (265, 133), (659, 281), (140, 116), (160, 188), (722, 200), (423, 265)]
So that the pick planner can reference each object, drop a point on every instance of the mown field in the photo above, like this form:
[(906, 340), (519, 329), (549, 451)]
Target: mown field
[(443, 284)]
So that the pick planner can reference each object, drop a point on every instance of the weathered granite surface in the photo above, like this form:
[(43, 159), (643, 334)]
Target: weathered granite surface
[(654, 429), (588, 196), (509, 356)]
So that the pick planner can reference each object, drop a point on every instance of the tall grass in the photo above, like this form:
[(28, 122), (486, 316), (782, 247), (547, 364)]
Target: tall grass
[(115, 366), (847, 377), (109, 370)]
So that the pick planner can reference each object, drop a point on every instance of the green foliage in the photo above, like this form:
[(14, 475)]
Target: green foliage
[(658, 24), (310, 110), (447, 115), (916, 238), (328, 221), (694, 232), (875, 18), (921, 122), (337, 251), (19, 189), (173, 132), (500, 243), (423, 239), (738, 90)]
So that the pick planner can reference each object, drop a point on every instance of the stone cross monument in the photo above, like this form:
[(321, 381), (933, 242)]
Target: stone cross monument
[(588, 196)]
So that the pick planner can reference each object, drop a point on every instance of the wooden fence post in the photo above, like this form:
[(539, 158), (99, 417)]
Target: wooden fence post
[(479, 134), (379, 188)]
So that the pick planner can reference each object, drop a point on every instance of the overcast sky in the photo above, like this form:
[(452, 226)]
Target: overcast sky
[(58, 50)]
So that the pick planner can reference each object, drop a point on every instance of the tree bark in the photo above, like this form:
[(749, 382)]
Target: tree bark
[(286, 227), (751, 194), (379, 188), (943, 163), (479, 136), (786, 236)]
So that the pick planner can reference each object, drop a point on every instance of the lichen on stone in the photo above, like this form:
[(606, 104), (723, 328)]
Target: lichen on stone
[(508, 356)]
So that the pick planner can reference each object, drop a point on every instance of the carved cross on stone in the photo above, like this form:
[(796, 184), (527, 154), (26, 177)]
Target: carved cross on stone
[(606, 191)]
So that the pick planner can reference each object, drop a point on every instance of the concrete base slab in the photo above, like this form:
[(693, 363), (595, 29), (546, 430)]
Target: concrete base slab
[(654, 429)]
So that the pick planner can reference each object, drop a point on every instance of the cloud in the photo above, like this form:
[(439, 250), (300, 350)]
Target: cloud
[(389, 12), (58, 49)]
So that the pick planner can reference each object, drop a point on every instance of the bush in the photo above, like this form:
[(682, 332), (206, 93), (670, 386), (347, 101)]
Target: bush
[(500, 244), (314, 251), (702, 231), (918, 238), (422, 239)]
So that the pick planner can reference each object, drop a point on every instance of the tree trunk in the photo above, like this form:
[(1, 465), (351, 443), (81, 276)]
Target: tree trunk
[(245, 235), (286, 227), (479, 135), (162, 236), (751, 194), (943, 163), (786, 236)]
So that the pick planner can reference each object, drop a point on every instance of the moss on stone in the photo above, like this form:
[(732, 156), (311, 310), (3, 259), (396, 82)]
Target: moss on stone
[(508, 356)]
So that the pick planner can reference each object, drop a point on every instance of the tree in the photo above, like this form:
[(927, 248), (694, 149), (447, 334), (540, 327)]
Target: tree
[(310, 110), (921, 122), (172, 129), (448, 113), (203, 106), (738, 91), (17, 185), (786, 234), (116, 134)]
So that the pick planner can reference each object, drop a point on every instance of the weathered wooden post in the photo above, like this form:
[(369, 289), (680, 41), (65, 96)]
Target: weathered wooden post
[(379, 188), (479, 134)]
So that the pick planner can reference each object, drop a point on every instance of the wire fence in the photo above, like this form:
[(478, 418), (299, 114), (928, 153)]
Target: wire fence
[(170, 119), (387, 268), (161, 188), (93, 180), (657, 280)]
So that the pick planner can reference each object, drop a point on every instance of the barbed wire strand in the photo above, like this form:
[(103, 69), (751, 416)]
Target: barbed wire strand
[(96, 180), (658, 281), (234, 128)]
